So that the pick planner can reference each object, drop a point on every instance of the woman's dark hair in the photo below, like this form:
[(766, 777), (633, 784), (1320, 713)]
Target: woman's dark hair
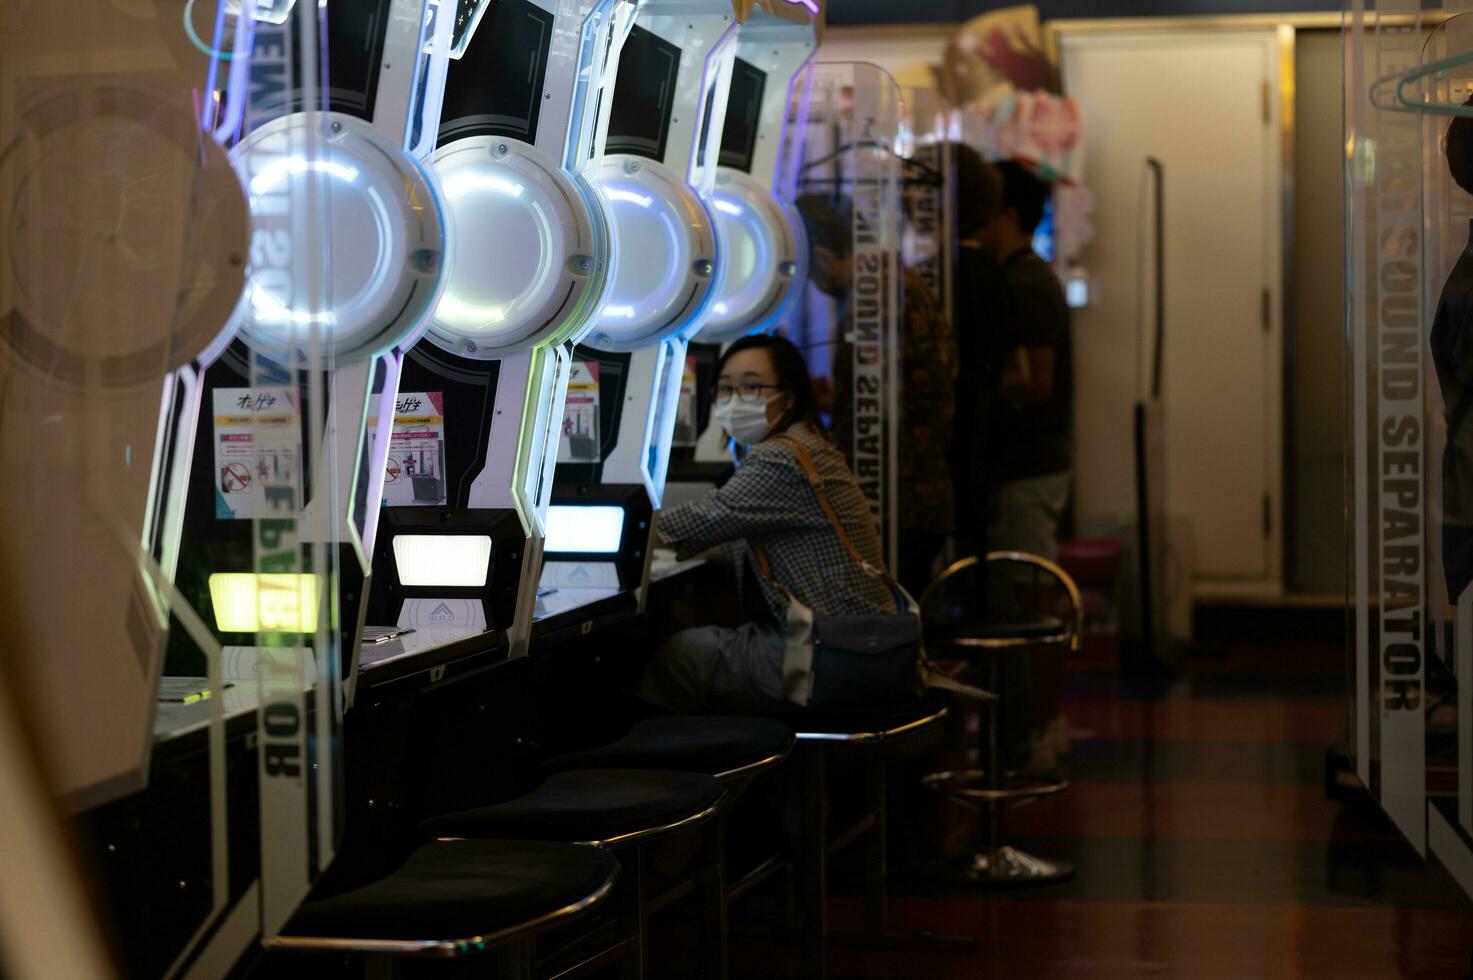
[(792, 374), (978, 191), (1024, 193)]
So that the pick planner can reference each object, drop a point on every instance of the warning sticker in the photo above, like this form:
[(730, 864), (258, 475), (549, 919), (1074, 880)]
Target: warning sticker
[(579, 442), (414, 475), (243, 460), (686, 420)]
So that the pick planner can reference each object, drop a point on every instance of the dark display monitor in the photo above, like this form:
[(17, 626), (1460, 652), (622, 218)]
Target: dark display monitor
[(743, 113), (355, 50), (643, 95), (355, 37), (496, 87)]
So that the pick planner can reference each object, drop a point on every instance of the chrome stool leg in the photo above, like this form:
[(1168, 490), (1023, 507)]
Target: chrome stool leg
[(999, 864)]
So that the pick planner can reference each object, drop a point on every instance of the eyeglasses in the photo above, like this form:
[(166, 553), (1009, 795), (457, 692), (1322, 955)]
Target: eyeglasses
[(747, 391)]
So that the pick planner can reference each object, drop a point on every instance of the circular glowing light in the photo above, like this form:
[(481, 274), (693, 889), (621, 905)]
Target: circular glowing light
[(527, 257), (348, 236), (765, 257), (666, 237)]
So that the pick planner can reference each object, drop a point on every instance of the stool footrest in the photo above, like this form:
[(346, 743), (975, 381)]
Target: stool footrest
[(973, 784)]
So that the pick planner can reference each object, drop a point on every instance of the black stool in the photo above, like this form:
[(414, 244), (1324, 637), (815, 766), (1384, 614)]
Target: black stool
[(875, 738), (731, 748), (961, 625), (623, 810), (457, 898)]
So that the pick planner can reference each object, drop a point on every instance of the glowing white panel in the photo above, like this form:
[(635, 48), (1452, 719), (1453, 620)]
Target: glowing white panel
[(763, 253), (451, 560), (250, 602), (385, 239), (667, 243), (526, 256), (595, 530)]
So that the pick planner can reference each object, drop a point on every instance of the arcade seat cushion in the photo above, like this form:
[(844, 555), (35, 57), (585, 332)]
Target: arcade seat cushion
[(589, 805), (710, 744), (450, 890)]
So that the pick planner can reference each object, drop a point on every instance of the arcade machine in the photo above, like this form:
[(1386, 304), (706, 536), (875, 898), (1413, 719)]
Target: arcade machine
[(664, 134), (117, 286), (149, 227), (766, 257), (348, 238), (124, 236), (473, 440)]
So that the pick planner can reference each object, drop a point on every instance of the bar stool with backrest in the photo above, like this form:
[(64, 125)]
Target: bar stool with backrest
[(983, 613)]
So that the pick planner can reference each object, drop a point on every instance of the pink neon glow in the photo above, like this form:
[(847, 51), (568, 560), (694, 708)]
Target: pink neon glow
[(812, 5)]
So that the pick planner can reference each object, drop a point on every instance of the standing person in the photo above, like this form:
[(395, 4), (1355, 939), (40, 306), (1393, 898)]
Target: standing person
[(985, 325), (927, 401), (1031, 429), (762, 391), (1451, 343)]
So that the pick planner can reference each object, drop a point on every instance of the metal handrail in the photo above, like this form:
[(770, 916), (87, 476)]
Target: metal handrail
[(1064, 579)]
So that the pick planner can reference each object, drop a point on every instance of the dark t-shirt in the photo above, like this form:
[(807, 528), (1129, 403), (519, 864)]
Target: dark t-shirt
[(1037, 440), (986, 331)]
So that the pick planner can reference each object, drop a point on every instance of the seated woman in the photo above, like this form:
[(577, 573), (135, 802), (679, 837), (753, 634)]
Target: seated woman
[(762, 391)]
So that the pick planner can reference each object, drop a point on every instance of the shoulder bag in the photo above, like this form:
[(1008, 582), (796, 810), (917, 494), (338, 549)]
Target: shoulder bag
[(869, 658)]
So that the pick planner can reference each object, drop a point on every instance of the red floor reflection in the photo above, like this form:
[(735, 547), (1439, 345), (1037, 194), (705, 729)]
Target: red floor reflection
[(1205, 844)]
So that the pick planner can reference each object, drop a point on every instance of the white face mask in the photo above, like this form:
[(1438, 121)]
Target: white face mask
[(746, 422)]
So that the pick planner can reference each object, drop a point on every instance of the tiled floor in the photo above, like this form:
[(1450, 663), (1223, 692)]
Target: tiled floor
[(1204, 842)]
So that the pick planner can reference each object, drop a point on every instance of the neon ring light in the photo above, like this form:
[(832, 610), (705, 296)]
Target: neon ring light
[(766, 257), (671, 274), (532, 249), (386, 237)]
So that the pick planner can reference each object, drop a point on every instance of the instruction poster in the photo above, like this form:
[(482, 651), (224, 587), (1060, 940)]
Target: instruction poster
[(686, 421), (579, 441), (414, 475), (241, 460)]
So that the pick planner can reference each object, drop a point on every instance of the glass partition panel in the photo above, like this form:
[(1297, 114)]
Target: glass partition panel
[(1409, 145), (849, 323)]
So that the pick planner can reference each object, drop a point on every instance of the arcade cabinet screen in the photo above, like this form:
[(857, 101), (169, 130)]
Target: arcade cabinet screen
[(586, 530), (640, 120), (495, 89), (355, 50), (743, 111)]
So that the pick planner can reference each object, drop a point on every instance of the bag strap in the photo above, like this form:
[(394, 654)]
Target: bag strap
[(815, 480)]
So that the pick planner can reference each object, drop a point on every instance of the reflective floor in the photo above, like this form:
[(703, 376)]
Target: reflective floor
[(1204, 841)]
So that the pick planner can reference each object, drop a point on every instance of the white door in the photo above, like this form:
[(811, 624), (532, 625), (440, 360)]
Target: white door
[(1204, 103)]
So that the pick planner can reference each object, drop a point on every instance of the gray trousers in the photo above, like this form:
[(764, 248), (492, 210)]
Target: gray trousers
[(712, 669), (1026, 514)]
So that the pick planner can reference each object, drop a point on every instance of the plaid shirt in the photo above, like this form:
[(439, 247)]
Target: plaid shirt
[(768, 499)]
